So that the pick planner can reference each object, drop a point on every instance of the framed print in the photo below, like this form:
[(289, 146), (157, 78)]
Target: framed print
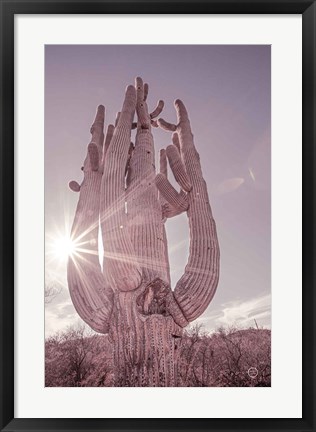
[(157, 257)]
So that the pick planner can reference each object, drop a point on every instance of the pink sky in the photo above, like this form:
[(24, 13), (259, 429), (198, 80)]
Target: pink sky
[(227, 92)]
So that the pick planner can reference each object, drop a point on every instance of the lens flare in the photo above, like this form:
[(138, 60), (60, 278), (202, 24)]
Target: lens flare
[(63, 247)]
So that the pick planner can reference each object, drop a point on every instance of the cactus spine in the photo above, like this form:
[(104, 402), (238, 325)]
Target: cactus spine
[(121, 194)]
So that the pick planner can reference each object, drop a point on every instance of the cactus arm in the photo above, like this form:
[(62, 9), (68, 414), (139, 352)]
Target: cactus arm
[(163, 165), (157, 110), (174, 198), (117, 118), (121, 269), (168, 211), (196, 288), (146, 88), (144, 209), (108, 138), (163, 169), (91, 297), (176, 203), (176, 141), (178, 168), (166, 125)]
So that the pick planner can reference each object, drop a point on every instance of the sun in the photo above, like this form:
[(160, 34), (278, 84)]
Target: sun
[(63, 248)]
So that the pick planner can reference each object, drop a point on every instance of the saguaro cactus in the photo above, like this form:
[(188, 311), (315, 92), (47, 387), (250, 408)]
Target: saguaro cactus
[(122, 195)]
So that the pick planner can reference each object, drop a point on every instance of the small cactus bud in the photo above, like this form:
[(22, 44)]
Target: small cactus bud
[(74, 186)]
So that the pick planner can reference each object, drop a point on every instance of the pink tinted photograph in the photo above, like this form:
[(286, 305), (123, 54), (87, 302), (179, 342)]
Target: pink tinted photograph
[(157, 216)]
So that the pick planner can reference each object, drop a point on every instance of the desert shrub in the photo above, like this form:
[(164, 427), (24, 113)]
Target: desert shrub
[(77, 358), (80, 358), (226, 358)]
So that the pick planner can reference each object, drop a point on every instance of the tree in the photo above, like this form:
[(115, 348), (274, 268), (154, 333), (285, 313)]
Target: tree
[(121, 194), (51, 291), (77, 358)]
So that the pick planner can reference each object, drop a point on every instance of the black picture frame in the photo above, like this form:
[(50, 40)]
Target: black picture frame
[(8, 9)]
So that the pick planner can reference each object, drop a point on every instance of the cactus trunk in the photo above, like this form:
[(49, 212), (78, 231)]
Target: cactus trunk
[(145, 348)]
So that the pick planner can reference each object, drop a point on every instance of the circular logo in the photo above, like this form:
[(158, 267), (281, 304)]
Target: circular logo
[(253, 372)]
